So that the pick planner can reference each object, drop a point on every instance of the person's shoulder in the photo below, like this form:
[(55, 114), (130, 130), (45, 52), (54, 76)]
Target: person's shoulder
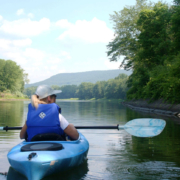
[(54, 105), (30, 106)]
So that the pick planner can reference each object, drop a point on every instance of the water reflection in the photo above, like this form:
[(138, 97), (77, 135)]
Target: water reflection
[(164, 147), (90, 113), (113, 154), (12, 113), (147, 158), (72, 174)]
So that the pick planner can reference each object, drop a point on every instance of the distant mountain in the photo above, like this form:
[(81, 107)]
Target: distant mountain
[(79, 77)]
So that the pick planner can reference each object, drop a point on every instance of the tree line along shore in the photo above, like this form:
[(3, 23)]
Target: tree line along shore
[(111, 89)]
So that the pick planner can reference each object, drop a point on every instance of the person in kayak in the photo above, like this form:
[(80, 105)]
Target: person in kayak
[(44, 116)]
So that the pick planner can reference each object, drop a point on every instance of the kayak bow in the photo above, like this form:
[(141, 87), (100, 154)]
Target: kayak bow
[(47, 157)]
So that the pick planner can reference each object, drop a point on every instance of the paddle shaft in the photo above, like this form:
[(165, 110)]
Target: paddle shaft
[(6, 128), (96, 127)]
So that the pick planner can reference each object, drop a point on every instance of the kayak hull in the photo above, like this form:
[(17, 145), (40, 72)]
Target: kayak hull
[(45, 163)]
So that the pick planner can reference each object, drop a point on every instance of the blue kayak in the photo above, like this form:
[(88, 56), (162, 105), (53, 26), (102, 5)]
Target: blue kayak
[(38, 159)]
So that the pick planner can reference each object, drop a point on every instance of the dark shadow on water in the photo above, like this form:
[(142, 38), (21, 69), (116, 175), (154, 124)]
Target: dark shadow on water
[(75, 173), (13, 175)]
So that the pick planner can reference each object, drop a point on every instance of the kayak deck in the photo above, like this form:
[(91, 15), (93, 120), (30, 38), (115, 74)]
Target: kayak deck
[(45, 163)]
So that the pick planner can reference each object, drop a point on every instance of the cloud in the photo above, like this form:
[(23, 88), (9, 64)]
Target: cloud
[(16, 44), (24, 57), (5, 44), (65, 55), (53, 67), (30, 15), (94, 31), (25, 27), (64, 24), (34, 55), (22, 42), (20, 12), (42, 65), (39, 73), (55, 60), (62, 71), (38, 64)]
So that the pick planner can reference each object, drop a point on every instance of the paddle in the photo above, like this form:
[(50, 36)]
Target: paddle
[(144, 127)]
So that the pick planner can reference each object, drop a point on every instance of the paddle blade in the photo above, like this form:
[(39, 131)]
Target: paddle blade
[(145, 127)]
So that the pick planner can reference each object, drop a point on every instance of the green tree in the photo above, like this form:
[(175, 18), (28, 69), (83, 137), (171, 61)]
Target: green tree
[(56, 87), (153, 58), (12, 76), (85, 90), (116, 88), (68, 91), (30, 91), (98, 89), (126, 32), (154, 43), (2, 83), (175, 21)]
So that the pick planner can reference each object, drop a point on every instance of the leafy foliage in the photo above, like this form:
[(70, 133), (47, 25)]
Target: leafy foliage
[(68, 91), (156, 58), (30, 91), (126, 32), (12, 76)]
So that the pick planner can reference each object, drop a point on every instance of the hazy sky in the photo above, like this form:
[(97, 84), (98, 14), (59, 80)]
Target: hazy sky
[(49, 37)]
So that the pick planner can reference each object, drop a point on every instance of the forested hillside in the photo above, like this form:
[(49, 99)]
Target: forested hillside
[(148, 36), (112, 89), (80, 77)]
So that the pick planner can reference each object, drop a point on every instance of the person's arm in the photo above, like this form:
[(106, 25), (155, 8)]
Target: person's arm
[(23, 131), (72, 132), (69, 129)]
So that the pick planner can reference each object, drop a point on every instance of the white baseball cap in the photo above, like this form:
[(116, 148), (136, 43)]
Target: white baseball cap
[(44, 91)]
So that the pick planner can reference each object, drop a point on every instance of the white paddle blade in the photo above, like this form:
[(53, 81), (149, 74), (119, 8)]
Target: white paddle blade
[(145, 127)]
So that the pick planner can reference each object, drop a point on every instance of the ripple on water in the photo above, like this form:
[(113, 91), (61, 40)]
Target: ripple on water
[(155, 170)]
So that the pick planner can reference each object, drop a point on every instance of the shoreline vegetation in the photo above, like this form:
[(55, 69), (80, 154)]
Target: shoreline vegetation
[(69, 99), (7, 95)]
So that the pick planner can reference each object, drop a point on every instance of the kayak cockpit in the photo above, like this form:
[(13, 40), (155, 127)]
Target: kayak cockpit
[(48, 146)]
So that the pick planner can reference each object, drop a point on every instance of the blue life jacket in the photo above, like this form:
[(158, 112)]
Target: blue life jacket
[(44, 119)]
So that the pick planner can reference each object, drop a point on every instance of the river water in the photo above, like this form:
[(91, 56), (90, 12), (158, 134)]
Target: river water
[(112, 154)]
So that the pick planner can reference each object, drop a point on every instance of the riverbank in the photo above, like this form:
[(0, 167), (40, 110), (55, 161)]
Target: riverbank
[(158, 107), (93, 99), (70, 99), (14, 99), (8, 96)]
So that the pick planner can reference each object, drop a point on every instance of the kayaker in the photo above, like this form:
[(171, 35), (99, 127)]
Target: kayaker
[(44, 116)]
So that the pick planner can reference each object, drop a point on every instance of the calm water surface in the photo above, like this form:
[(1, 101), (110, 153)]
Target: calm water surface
[(113, 154)]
